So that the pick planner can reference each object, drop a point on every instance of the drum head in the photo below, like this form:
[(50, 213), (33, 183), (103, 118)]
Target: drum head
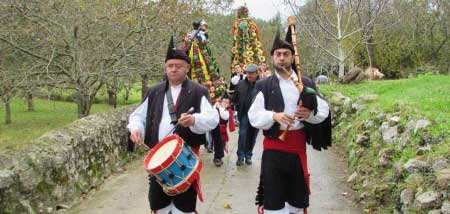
[(162, 154)]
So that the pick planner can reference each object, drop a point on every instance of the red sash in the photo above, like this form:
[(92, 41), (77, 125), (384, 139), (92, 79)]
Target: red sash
[(223, 128), (231, 124), (294, 143)]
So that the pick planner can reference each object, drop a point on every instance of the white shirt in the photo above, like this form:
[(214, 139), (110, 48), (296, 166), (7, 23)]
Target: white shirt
[(223, 113), (205, 121), (236, 78), (261, 118)]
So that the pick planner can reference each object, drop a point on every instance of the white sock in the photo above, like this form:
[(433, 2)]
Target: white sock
[(282, 211), (177, 211), (165, 210), (294, 210)]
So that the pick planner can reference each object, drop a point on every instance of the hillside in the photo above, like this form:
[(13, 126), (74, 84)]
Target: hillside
[(396, 137)]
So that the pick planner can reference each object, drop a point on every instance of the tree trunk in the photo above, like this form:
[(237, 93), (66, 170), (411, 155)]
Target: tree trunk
[(341, 61), (30, 102), (112, 97), (341, 56), (370, 47), (369, 35), (7, 109), (341, 70), (83, 104), (370, 52), (127, 93), (144, 82)]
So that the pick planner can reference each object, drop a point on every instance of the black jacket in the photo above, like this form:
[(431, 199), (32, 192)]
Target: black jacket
[(243, 97)]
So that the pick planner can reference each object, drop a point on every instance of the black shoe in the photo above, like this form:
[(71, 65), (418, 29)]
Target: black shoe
[(218, 162), (248, 161), (240, 162)]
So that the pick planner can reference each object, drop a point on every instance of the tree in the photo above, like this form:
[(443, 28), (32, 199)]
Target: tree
[(14, 64), (329, 24), (86, 45), (79, 42), (157, 22), (7, 91), (410, 36)]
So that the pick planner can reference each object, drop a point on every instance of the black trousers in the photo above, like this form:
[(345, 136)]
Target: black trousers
[(283, 180), (218, 143), (158, 199)]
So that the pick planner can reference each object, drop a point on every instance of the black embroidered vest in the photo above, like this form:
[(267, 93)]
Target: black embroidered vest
[(191, 95)]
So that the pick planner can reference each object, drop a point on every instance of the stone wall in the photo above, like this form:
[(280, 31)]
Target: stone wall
[(63, 164), (394, 160)]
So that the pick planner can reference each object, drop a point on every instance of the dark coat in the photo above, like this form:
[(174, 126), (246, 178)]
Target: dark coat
[(243, 97)]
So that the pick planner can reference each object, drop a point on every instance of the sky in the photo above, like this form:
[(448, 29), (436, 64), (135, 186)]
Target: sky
[(264, 9)]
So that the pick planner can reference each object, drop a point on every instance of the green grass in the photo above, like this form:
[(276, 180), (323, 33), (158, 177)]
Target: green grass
[(425, 96), (48, 115)]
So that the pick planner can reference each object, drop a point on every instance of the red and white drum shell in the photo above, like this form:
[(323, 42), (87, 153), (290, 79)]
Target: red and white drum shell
[(174, 164)]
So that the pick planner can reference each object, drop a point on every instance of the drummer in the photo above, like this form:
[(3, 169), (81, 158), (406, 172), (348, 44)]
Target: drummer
[(165, 105)]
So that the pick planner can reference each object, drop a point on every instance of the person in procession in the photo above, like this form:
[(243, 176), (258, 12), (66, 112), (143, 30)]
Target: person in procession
[(242, 99), (224, 122), (281, 109), (163, 112), (220, 137)]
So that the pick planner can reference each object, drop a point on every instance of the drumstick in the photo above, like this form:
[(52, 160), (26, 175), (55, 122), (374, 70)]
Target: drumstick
[(141, 143), (189, 111)]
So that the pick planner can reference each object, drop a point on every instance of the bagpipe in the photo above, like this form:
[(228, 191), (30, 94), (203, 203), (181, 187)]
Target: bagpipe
[(307, 94)]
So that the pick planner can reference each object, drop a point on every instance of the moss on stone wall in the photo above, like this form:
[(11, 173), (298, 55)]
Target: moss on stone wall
[(390, 153), (63, 164)]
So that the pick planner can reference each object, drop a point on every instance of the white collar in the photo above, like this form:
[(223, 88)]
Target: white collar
[(176, 87), (293, 76)]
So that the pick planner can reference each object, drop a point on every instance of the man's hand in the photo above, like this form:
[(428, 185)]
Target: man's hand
[(302, 113), (136, 136), (186, 120), (283, 118)]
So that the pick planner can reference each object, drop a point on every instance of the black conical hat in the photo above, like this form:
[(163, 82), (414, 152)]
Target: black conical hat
[(289, 35), (173, 53), (278, 43), (289, 40)]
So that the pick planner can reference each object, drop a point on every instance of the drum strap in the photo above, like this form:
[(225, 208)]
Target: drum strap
[(171, 107)]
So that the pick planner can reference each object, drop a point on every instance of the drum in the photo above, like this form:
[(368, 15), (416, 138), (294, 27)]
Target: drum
[(174, 164)]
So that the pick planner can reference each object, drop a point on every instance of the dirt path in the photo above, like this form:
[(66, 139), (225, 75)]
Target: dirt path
[(127, 192)]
